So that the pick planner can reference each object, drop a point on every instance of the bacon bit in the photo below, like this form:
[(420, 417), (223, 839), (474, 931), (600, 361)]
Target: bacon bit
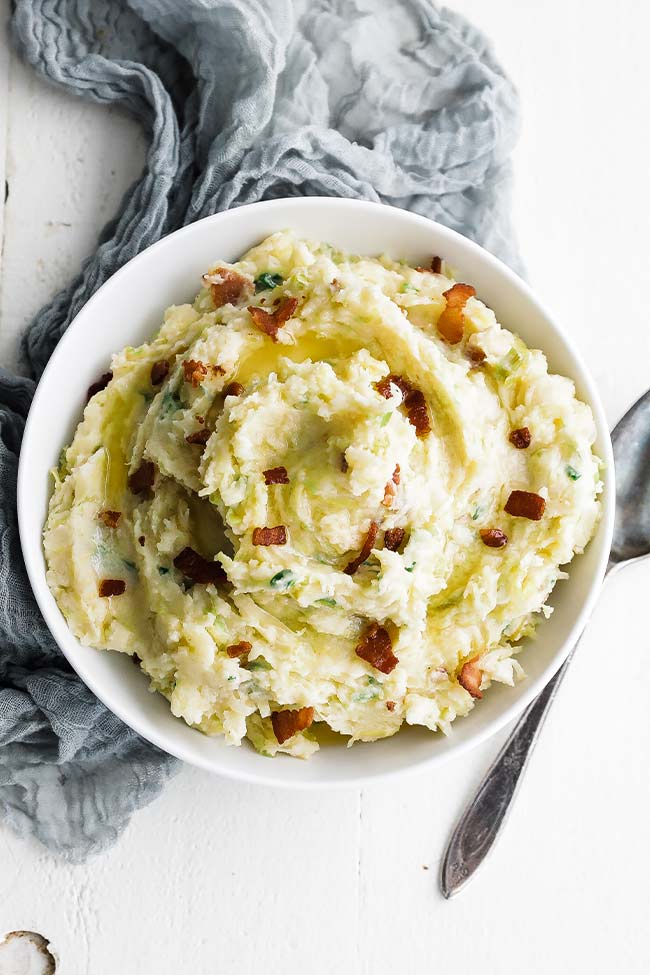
[(111, 587), (270, 536), (271, 322), (476, 355), (390, 491), (392, 379), (143, 478), (195, 372), (393, 538), (199, 418), (233, 389), (493, 537), (390, 705), (110, 518), (525, 504), (198, 569), (436, 266), (199, 436), (239, 649), (413, 399), (417, 413), (286, 724), (226, 286), (276, 475), (520, 438), (366, 549), (470, 678), (450, 323), (376, 648), (159, 371), (97, 387), (141, 540)]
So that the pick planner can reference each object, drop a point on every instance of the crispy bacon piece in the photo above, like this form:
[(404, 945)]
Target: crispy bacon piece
[(417, 412), (276, 475), (194, 372), (413, 399), (393, 538), (436, 265), (233, 389), (450, 323), (142, 479), (141, 540), (390, 491), (227, 286), (97, 387), (390, 705), (110, 518), (239, 649), (520, 438), (159, 371), (199, 436), (111, 587), (493, 537), (270, 536), (270, 322), (525, 504), (376, 648), (286, 724), (475, 355), (392, 379), (366, 549), (198, 569), (470, 678)]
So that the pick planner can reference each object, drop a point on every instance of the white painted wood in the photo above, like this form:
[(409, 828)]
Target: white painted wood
[(216, 876)]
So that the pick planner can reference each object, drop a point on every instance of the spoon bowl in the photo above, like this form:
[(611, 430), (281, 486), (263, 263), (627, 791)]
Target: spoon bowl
[(631, 444)]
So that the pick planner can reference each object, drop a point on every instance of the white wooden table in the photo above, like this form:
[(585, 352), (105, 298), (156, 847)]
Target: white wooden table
[(219, 877)]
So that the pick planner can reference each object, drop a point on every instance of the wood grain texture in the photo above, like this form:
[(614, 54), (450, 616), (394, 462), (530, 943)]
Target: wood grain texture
[(217, 876)]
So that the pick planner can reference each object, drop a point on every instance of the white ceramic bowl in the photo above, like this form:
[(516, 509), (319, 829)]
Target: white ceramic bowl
[(128, 308)]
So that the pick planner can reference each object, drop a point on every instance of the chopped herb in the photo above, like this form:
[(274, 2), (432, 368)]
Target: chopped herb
[(260, 663), (372, 692), (573, 473), (267, 281), (284, 579), (478, 511), (407, 286), (163, 570), (232, 677), (62, 464), (170, 403), (409, 568), (326, 601), (385, 418)]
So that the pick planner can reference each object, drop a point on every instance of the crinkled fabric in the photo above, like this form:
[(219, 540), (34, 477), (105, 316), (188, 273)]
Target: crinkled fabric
[(241, 100)]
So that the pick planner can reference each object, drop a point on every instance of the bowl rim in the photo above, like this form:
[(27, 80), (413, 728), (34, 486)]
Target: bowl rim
[(59, 628)]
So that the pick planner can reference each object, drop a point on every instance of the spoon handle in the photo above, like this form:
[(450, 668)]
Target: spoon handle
[(483, 818)]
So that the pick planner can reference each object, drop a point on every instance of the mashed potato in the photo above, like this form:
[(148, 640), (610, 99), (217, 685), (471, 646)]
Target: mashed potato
[(344, 507)]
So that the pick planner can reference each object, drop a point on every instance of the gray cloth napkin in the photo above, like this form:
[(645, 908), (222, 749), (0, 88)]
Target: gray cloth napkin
[(241, 100)]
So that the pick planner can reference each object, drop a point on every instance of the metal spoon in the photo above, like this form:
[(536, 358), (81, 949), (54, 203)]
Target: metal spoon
[(484, 816)]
